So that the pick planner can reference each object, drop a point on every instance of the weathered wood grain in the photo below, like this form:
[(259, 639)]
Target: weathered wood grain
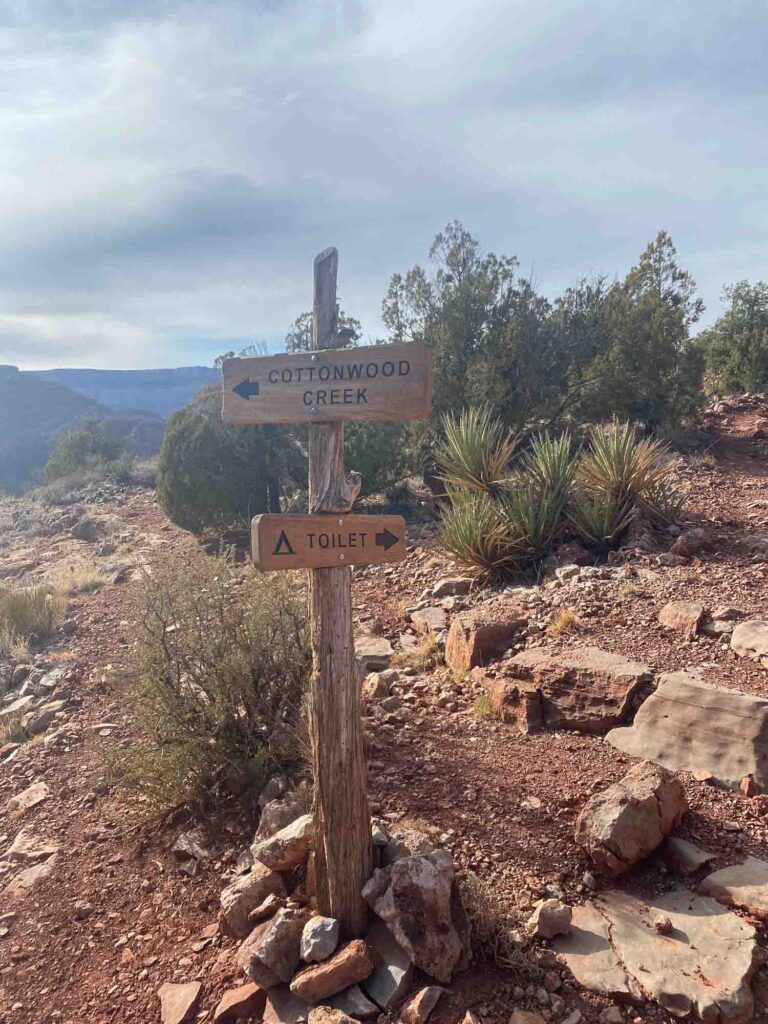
[(343, 852), (323, 541), (378, 382)]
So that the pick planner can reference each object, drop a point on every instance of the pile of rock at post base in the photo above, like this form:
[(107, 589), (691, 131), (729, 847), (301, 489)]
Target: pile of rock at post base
[(297, 967)]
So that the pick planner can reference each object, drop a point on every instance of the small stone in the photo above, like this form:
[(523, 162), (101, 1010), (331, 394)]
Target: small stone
[(662, 924), (748, 786), (238, 1003), (525, 1017), (287, 848), (685, 616), (319, 939), (83, 910), (245, 895), (611, 1015), (349, 966), (549, 918), (552, 981), (178, 1003), (418, 1008), (328, 1015)]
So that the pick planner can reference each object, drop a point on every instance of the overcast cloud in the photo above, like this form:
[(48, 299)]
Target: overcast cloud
[(169, 170)]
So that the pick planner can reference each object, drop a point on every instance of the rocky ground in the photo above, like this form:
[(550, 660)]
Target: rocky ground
[(107, 911)]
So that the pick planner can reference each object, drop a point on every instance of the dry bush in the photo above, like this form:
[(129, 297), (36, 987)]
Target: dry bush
[(28, 617), (563, 621), (424, 657), (492, 924), (220, 663)]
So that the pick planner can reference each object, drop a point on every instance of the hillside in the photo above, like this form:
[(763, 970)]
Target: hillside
[(32, 413), (107, 913), (157, 391)]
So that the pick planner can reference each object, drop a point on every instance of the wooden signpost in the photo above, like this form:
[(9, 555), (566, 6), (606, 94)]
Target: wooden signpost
[(325, 388), (379, 382), (322, 541)]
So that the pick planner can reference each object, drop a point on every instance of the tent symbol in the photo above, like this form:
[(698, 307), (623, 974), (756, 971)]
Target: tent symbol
[(283, 546)]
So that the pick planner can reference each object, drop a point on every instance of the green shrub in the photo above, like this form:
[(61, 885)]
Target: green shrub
[(219, 667), (212, 475), (476, 451), (28, 616), (507, 518), (378, 452), (86, 449)]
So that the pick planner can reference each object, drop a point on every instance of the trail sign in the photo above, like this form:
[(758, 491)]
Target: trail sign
[(377, 382), (323, 541)]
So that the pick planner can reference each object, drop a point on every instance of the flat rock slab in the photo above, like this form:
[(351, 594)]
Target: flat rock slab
[(703, 966), (585, 688), (429, 620), (684, 857), (29, 798), (690, 725), (375, 652), (27, 879), (742, 885)]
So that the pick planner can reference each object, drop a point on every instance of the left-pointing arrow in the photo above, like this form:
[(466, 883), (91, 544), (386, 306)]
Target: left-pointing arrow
[(385, 539), (247, 388)]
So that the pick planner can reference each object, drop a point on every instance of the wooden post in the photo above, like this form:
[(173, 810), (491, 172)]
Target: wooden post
[(343, 852)]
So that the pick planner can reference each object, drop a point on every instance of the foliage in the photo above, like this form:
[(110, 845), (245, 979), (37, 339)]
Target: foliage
[(494, 928), (28, 616), (215, 475), (88, 449), (548, 493), (220, 661), (299, 338), (378, 452), (476, 451), (736, 346)]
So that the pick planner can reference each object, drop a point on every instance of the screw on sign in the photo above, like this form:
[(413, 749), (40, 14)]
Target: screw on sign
[(326, 387)]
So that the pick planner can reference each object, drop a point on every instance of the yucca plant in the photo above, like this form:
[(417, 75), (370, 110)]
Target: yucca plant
[(620, 466), (533, 515), (477, 534), (550, 465), (476, 451), (663, 504), (599, 520)]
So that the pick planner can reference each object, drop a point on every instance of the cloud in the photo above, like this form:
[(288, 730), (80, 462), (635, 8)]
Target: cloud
[(171, 168)]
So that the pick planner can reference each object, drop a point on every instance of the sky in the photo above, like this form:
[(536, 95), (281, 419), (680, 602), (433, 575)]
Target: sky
[(169, 170)]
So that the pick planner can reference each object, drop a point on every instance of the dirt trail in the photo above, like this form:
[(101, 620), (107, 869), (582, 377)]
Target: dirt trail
[(504, 803)]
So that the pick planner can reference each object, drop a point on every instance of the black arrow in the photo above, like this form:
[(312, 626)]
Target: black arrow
[(386, 540), (246, 388)]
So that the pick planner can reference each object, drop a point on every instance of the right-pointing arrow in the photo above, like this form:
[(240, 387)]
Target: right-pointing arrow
[(385, 539)]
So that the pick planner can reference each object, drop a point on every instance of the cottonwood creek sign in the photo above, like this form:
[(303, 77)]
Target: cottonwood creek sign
[(381, 382), (326, 540)]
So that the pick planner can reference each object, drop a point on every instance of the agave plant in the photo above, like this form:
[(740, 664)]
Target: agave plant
[(477, 534), (476, 451), (620, 466), (598, 520)]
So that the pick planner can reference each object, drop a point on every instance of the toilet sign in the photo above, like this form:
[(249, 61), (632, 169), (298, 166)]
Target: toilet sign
[(326, 541), (379, 382)]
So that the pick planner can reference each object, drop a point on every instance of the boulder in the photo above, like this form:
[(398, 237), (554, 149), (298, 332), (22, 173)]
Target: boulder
[(549, 918), (283, 1007), (373, 652), (287, 848), (350, 965), (405, 842), (690, 543), (374, 687), (36, 722), (272, 951), (584, 689), (246, 894), (21, 884), (627, 821), (26, 849), (178, 1003), (319, 939), (750, 640), (701, 966), (353, 1002), (244, 1002), (741, 885), (690, 725), (481, 634), (278, 814), (418, 900), (684, 616)]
